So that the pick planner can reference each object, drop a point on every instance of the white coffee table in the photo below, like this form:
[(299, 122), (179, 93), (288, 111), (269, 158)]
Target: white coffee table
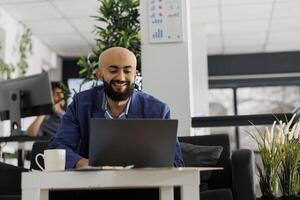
[(36, 185)]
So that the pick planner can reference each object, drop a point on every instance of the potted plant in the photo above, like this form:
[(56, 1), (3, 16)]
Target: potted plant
[(290, 158), (267, 142), (280, 153), (121, 27)]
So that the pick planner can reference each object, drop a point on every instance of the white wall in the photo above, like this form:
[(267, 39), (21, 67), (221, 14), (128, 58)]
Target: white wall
[(176, 73), (199, 72), (199, 76), (42, 58), (55, 74), (165, 69)]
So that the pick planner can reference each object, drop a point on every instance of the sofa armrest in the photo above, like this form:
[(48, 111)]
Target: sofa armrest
[(243, 175), (10, 180)]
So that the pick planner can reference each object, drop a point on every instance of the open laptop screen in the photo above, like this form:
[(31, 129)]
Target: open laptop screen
[(138, 142)]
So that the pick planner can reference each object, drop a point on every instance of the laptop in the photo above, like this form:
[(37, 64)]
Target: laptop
[(132, 142)]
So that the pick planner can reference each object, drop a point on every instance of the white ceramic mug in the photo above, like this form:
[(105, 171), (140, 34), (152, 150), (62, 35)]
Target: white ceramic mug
[(54, 159)]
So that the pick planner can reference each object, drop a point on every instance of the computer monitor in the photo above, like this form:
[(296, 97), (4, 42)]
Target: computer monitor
[(24, 97), (76, 85)]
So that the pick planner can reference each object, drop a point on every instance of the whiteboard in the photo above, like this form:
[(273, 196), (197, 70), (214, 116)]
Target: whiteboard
[(165, 21)]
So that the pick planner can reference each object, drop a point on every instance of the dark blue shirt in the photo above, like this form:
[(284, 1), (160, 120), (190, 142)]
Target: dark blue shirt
[(50, 125), (73, 133)]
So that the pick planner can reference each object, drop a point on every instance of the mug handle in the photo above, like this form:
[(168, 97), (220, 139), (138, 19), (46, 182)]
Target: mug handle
[(37, 162)]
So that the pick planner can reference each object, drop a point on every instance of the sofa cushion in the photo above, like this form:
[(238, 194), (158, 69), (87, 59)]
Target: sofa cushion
[(201, 156)]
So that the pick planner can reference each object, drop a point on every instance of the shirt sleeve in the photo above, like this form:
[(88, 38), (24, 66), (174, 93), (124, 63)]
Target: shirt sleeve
[(68, 135), (178, 160)]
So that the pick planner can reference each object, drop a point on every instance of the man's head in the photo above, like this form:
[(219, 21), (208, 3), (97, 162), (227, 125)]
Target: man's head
[(117, 70), (58, 95)]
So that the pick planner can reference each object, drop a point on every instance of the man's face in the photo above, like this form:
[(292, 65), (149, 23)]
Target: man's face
[(118, 72), (58, 97)]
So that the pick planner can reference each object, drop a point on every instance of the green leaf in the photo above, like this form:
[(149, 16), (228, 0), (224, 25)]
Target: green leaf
[(121, 27)]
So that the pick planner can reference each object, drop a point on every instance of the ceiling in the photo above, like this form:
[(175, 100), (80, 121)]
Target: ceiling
[(232, 26), (65, 26), (248, 26)]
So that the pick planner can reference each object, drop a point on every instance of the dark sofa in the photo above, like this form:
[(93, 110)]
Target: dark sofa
[(236, 181), (10, 182)]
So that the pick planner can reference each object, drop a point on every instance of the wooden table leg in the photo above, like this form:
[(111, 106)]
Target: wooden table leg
[(166, 193), (190, 192), (35, 194)]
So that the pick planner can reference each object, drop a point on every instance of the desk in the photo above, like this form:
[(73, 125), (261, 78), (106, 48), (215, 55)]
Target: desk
[(36, 185), (21, 139)]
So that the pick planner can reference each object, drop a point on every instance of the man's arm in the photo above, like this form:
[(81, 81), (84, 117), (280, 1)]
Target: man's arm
[(68, 135), (178, 160), (34, 127)]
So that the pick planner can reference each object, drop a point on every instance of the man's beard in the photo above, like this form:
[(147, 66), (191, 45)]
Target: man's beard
[(118, 96)]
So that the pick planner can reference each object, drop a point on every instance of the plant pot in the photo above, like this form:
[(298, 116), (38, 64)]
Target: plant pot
[(290, 197), (268, 198)]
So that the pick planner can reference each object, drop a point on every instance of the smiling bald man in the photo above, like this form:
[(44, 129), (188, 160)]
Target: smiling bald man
[(116, 98)]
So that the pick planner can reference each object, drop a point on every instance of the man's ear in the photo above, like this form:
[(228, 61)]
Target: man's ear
[(98, 74)]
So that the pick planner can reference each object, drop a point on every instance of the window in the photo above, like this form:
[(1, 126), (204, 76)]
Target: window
[(251, 100)]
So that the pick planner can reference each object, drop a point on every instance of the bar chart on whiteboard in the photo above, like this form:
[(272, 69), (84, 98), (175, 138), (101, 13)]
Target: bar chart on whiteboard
[(165, 21)]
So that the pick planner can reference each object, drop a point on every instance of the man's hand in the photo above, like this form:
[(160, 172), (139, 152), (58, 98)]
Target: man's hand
[(82, 163), (57, 108)]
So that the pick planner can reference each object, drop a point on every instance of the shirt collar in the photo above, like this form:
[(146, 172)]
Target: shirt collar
[(108, 113)]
